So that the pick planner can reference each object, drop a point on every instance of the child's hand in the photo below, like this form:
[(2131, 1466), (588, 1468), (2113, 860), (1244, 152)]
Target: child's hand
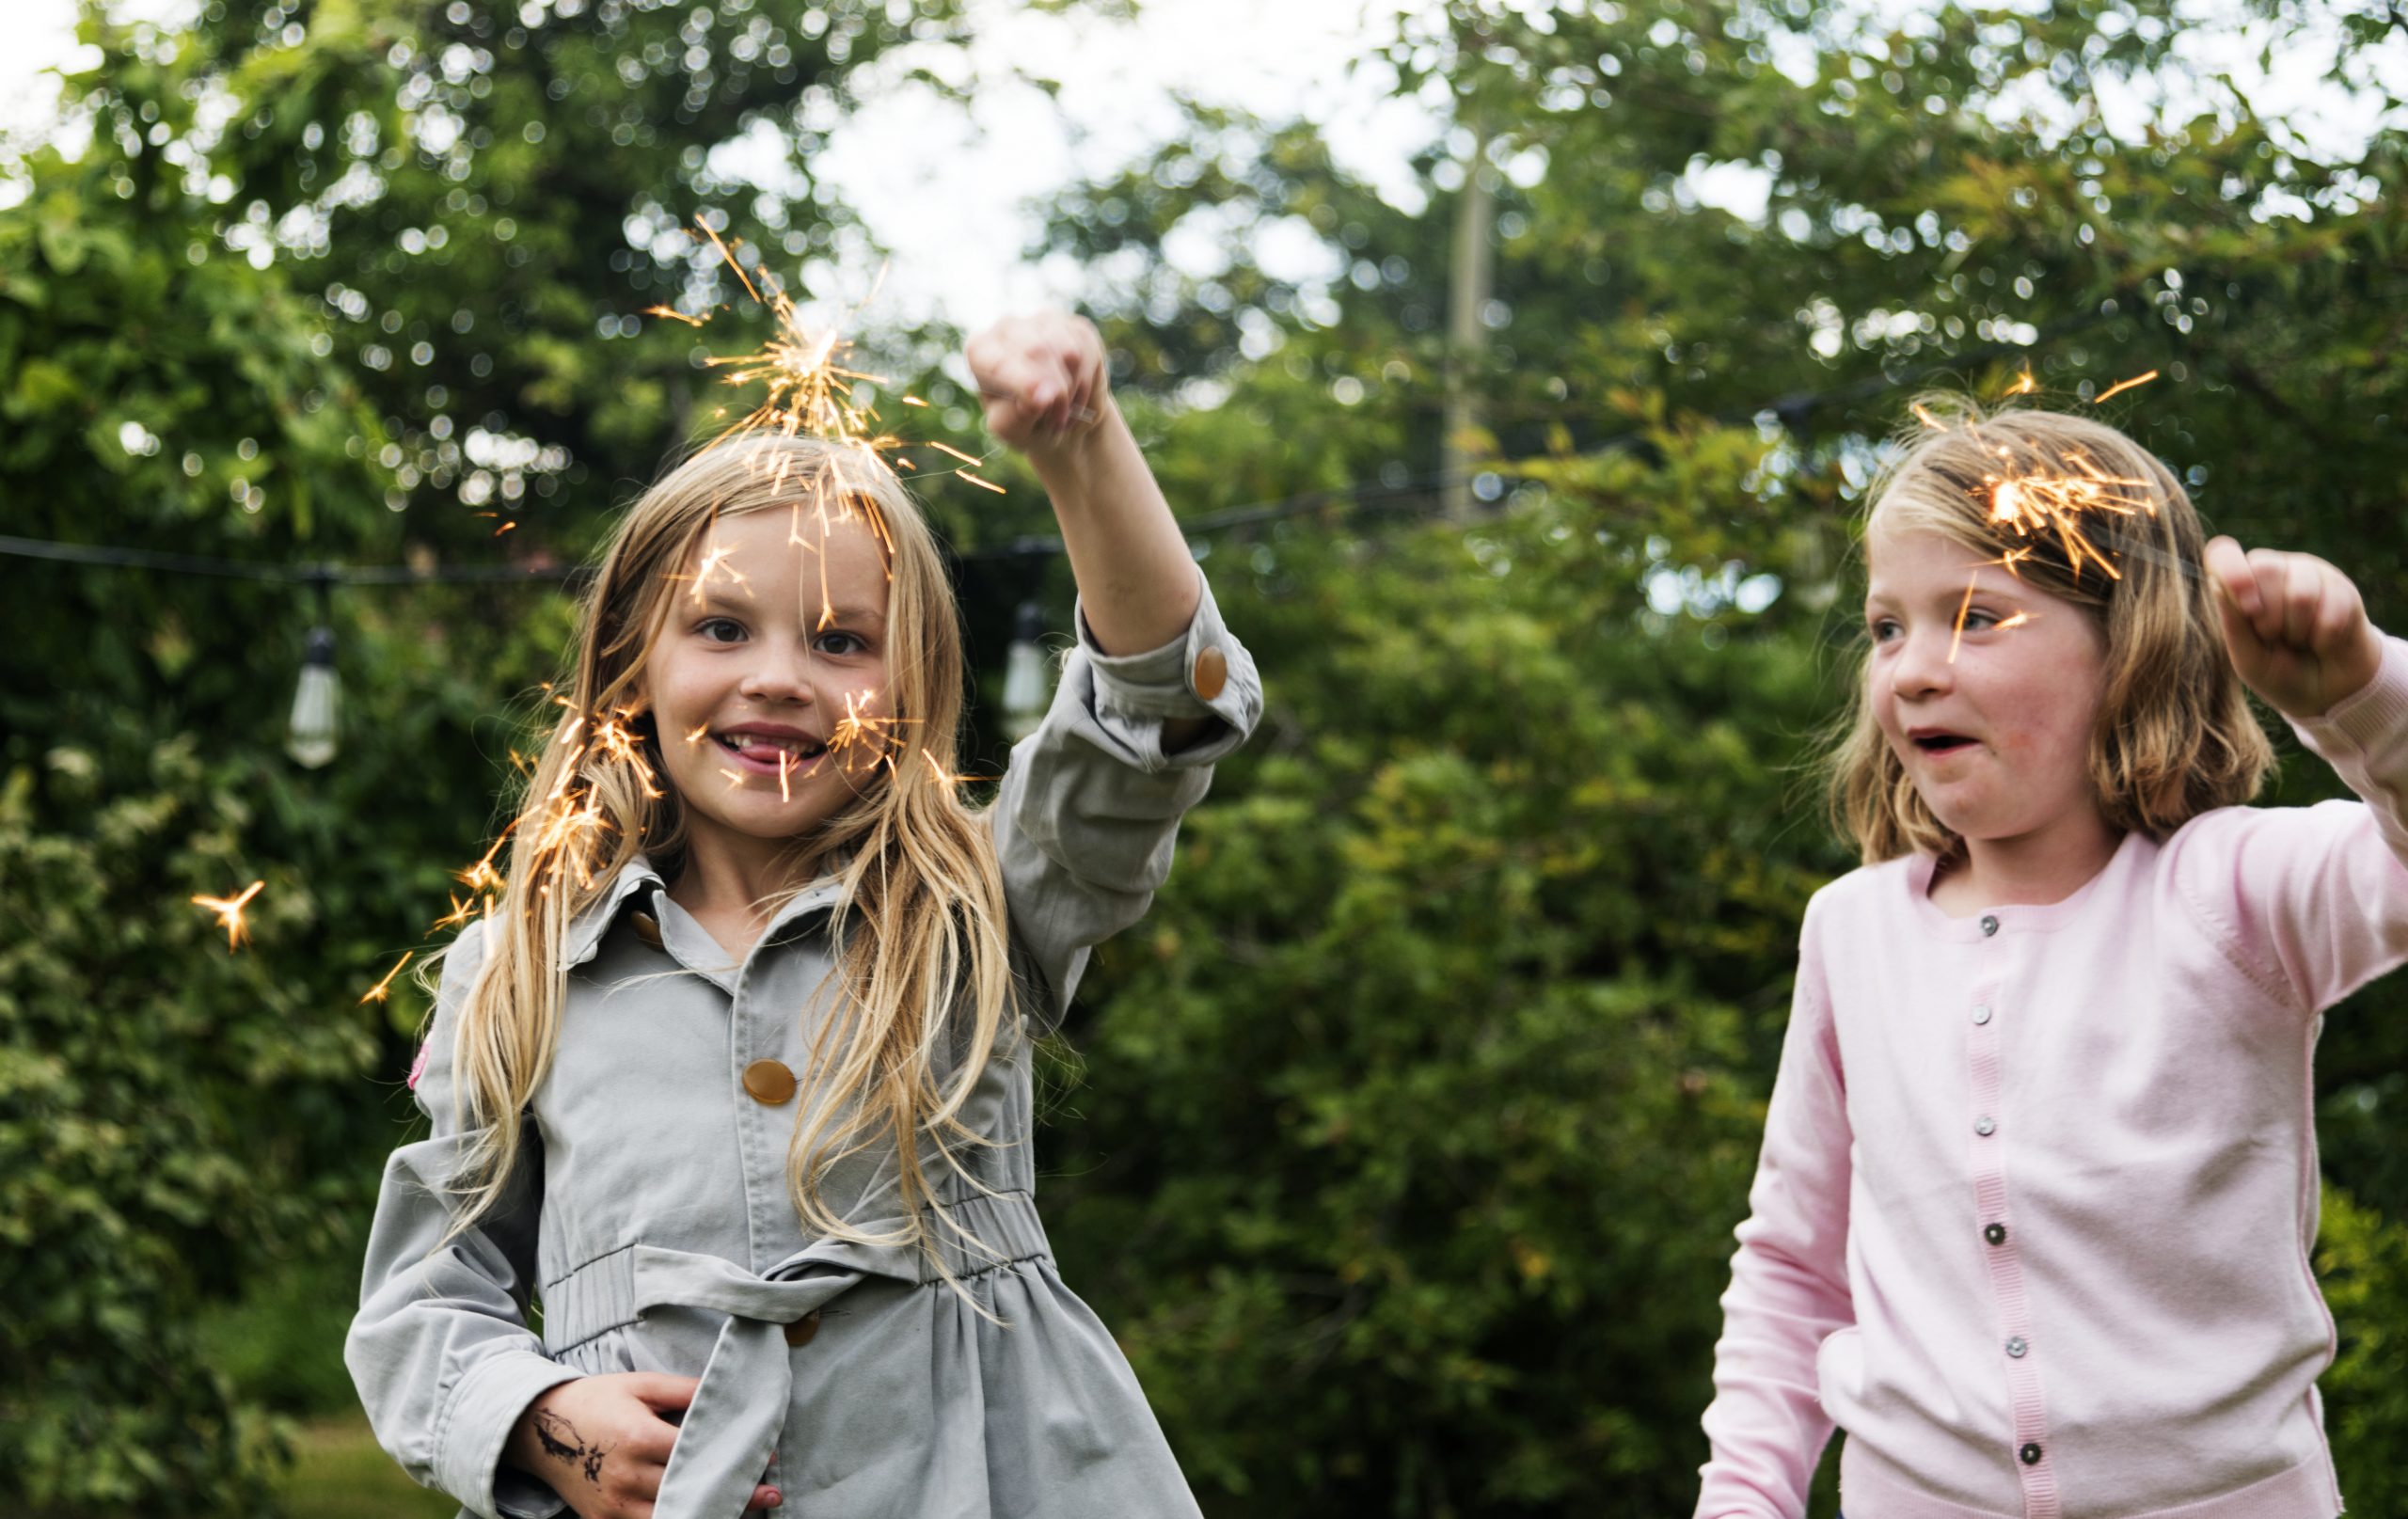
[(2297, 630), (1043, 379), (602, 1445)]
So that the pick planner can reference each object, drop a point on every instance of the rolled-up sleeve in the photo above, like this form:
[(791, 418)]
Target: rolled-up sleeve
[(440, 1349), (1090, 807)]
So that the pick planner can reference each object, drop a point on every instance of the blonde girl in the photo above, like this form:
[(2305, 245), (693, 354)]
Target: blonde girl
[(730, 1084), (2038, 1181)]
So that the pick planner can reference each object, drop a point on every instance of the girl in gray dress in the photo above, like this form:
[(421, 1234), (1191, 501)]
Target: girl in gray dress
[(731, 1075)]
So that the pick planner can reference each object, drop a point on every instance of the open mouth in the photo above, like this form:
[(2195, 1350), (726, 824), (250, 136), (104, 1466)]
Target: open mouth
[(764, 754), (1940, 743)]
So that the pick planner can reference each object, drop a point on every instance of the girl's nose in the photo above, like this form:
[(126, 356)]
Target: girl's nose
[(1921, 667), (779, 675)]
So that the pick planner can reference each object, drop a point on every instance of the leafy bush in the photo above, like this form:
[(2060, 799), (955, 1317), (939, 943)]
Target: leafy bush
[(139, 1180)]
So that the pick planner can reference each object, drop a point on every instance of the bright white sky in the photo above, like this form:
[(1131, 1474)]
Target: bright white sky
[(948, 188)]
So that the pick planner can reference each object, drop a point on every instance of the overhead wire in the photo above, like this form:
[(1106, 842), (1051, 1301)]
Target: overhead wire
[(1413, 496)]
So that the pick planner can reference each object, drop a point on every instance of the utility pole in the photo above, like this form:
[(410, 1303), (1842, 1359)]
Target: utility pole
[(1467, 295)]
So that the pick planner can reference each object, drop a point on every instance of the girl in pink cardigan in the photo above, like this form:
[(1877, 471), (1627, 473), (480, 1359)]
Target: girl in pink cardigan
[(2038, 1183)]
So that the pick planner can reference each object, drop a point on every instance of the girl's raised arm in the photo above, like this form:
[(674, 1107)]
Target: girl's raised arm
[(1157, 690), (2312, 899)]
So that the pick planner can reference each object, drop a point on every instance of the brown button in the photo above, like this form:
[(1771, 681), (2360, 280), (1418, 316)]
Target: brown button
[(768, 1080), (647, 928), (1212, 672), (800, 1332)]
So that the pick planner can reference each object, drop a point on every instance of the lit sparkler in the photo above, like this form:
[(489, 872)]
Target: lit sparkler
[(861, 726), (811, 385), (811, 389), (2058, 502), (229, 914)]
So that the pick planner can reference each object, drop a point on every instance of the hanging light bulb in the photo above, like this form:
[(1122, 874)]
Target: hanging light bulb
[(1026, 687), (309, 739)]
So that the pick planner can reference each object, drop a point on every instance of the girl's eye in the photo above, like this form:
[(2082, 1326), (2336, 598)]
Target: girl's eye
[(1976, 617), (1883, 629), (719, 629), (838, 641)]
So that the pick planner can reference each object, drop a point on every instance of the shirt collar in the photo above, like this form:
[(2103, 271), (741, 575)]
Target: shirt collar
[(637, 878), (586, 929)]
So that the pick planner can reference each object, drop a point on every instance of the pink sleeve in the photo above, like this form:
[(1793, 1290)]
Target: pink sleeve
[(1789, 1280), (2314, 900)]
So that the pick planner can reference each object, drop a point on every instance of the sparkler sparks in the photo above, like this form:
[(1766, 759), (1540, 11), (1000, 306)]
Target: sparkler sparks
[(2118, 389), (811, 386), (860, 726), (229, 914), (382, 988), (2043, 501), (2061, 498)]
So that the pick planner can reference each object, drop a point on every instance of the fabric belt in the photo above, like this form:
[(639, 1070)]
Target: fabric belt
[(724, 1443)]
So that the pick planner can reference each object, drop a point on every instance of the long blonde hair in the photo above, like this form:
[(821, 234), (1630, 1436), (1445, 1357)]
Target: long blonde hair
[(2173, 734), (924, 977)]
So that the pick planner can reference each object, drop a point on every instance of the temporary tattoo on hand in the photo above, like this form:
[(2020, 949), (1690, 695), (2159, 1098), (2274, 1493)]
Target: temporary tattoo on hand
[(561, 1442)]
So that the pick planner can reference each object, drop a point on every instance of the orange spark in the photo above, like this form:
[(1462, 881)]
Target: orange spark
[(2121, 386), (461, 911), (2016, 621), (1962, 607), (984, 484), (714, 561), (230, 912), (947, 448), (379, 991), (734, 267), (674, 315), (2024, 385)]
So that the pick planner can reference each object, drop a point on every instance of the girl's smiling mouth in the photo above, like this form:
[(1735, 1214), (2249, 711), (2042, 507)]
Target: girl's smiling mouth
[(769, 749)]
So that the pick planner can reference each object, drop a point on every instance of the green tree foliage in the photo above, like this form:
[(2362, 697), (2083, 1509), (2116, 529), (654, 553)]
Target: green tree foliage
[(1403, 1144), (1433, 1084), (137, 1179), (1414, 1121), (210, 326)]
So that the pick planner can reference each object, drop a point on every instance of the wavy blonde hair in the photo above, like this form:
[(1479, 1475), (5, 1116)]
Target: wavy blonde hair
[(925, 970), (2174, 736)]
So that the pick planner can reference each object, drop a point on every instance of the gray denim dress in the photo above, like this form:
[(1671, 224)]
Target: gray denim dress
[(651, 1219)]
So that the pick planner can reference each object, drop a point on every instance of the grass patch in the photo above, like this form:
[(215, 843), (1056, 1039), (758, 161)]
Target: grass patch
[(339, 1472)]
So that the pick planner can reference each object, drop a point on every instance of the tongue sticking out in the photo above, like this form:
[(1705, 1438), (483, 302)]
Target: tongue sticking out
[(762, 752)]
